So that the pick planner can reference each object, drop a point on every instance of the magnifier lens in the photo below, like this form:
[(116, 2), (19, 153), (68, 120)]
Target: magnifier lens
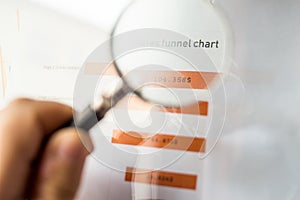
[(175, 50)]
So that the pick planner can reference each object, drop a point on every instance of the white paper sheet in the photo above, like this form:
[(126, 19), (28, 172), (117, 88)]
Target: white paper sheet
[(256, 157)]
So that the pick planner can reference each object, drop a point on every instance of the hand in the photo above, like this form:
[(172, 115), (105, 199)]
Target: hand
[(24, 174)]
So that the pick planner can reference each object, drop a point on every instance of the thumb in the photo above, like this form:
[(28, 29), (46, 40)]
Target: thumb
[(59, 173)]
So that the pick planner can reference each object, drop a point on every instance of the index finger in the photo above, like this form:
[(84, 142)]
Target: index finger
[(23, 125)]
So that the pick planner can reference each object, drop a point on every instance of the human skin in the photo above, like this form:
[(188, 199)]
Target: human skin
[(31, 168)]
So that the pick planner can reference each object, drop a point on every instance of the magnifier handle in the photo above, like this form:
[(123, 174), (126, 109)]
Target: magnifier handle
[(91, 115)]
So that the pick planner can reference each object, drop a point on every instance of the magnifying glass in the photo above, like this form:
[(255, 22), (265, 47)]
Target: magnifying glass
[(161, 55)]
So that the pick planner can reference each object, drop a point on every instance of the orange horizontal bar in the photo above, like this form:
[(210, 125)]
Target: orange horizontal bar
[(200, 108), (179, 79), (163, 178), (170, 79), (174, 142)]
